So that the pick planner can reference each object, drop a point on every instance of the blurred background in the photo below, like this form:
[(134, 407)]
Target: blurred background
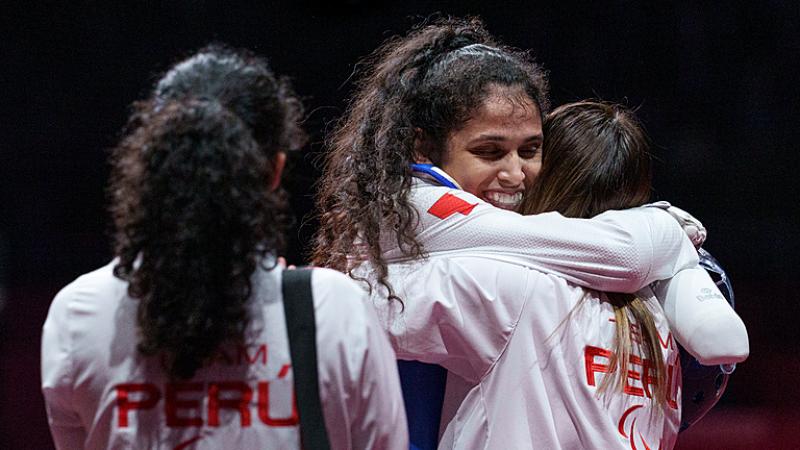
[(716, 86)]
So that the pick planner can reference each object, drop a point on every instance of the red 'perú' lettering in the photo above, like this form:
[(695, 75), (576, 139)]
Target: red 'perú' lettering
[(645, 376), (240, 403), (633, 375), (591, 367), (172, 403), (179, 402), (263, 408), (244, 356), (188, 443), (125, 404)]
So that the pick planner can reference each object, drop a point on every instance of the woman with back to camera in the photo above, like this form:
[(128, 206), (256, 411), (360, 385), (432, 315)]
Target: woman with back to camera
[(180, 342), (431, 158), (596, 158)]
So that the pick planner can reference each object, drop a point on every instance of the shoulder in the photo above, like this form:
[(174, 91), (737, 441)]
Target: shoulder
[(339, 301), (327, 282), (89, 287), (76, 310), (346, 323), (472, 276), (85, 308)]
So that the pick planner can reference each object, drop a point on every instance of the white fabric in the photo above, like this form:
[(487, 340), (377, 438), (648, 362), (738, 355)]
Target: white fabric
[(516, 355), (701, 319), (617, 251), (515, 341), (89, 355), (598, 253)]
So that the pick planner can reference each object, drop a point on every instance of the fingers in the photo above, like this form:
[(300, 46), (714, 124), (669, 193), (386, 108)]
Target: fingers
[(282, 262)]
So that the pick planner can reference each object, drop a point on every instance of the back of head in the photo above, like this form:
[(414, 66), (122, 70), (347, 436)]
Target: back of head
[(595, 158), (243, 83), (192, 205), (416, 90)]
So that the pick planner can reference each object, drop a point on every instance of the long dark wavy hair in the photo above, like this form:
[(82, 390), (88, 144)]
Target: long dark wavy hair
[(414, 92), (191, 201), (596, 157)]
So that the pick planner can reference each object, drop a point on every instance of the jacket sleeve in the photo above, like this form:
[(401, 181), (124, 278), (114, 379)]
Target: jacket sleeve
[(380, 395), (617, 251), (57, 379), (359, 382), (701, 319)]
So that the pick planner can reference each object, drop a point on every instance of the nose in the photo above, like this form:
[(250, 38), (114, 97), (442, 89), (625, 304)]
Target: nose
[(511, 174)]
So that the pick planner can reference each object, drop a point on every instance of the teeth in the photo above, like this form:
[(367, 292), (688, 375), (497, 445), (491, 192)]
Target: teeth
[(504, 200)]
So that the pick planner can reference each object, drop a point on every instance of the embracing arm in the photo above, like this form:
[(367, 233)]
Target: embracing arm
[(617, 251), (701, 319)]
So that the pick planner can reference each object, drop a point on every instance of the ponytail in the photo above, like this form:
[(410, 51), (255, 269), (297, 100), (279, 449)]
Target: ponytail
[(194, 217), (635, 325)]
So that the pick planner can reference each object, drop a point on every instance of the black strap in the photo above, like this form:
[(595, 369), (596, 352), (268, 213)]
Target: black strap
[(298, 306)]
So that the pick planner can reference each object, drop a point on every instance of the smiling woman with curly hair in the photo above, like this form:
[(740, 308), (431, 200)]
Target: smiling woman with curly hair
[(429, 163)]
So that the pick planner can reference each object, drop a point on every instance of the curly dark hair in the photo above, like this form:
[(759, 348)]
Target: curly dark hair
[(243, 83), (416, 90), (191, 202)]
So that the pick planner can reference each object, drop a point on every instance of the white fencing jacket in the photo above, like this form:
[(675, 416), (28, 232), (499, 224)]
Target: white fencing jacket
[(526, 353), (102, 394), (524, 347)]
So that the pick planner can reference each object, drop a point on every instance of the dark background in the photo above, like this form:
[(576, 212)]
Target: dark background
[(716, 86)]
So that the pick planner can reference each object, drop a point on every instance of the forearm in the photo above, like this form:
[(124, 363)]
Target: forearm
[(618, 251), (701, 319)]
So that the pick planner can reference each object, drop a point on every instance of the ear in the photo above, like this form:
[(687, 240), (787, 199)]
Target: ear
[(278, 163), (419, 142)]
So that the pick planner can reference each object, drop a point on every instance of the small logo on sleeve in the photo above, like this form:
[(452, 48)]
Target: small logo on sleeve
[(709, 294), (449, 204)]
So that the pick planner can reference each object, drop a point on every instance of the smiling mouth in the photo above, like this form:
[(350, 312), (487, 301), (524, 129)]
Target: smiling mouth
[(504, 200)]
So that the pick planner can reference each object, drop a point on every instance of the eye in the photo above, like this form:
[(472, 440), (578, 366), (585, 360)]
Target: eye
[(490, 153), (529, 152)]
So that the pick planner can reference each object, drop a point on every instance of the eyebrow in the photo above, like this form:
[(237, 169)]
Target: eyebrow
[(501, 138)]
